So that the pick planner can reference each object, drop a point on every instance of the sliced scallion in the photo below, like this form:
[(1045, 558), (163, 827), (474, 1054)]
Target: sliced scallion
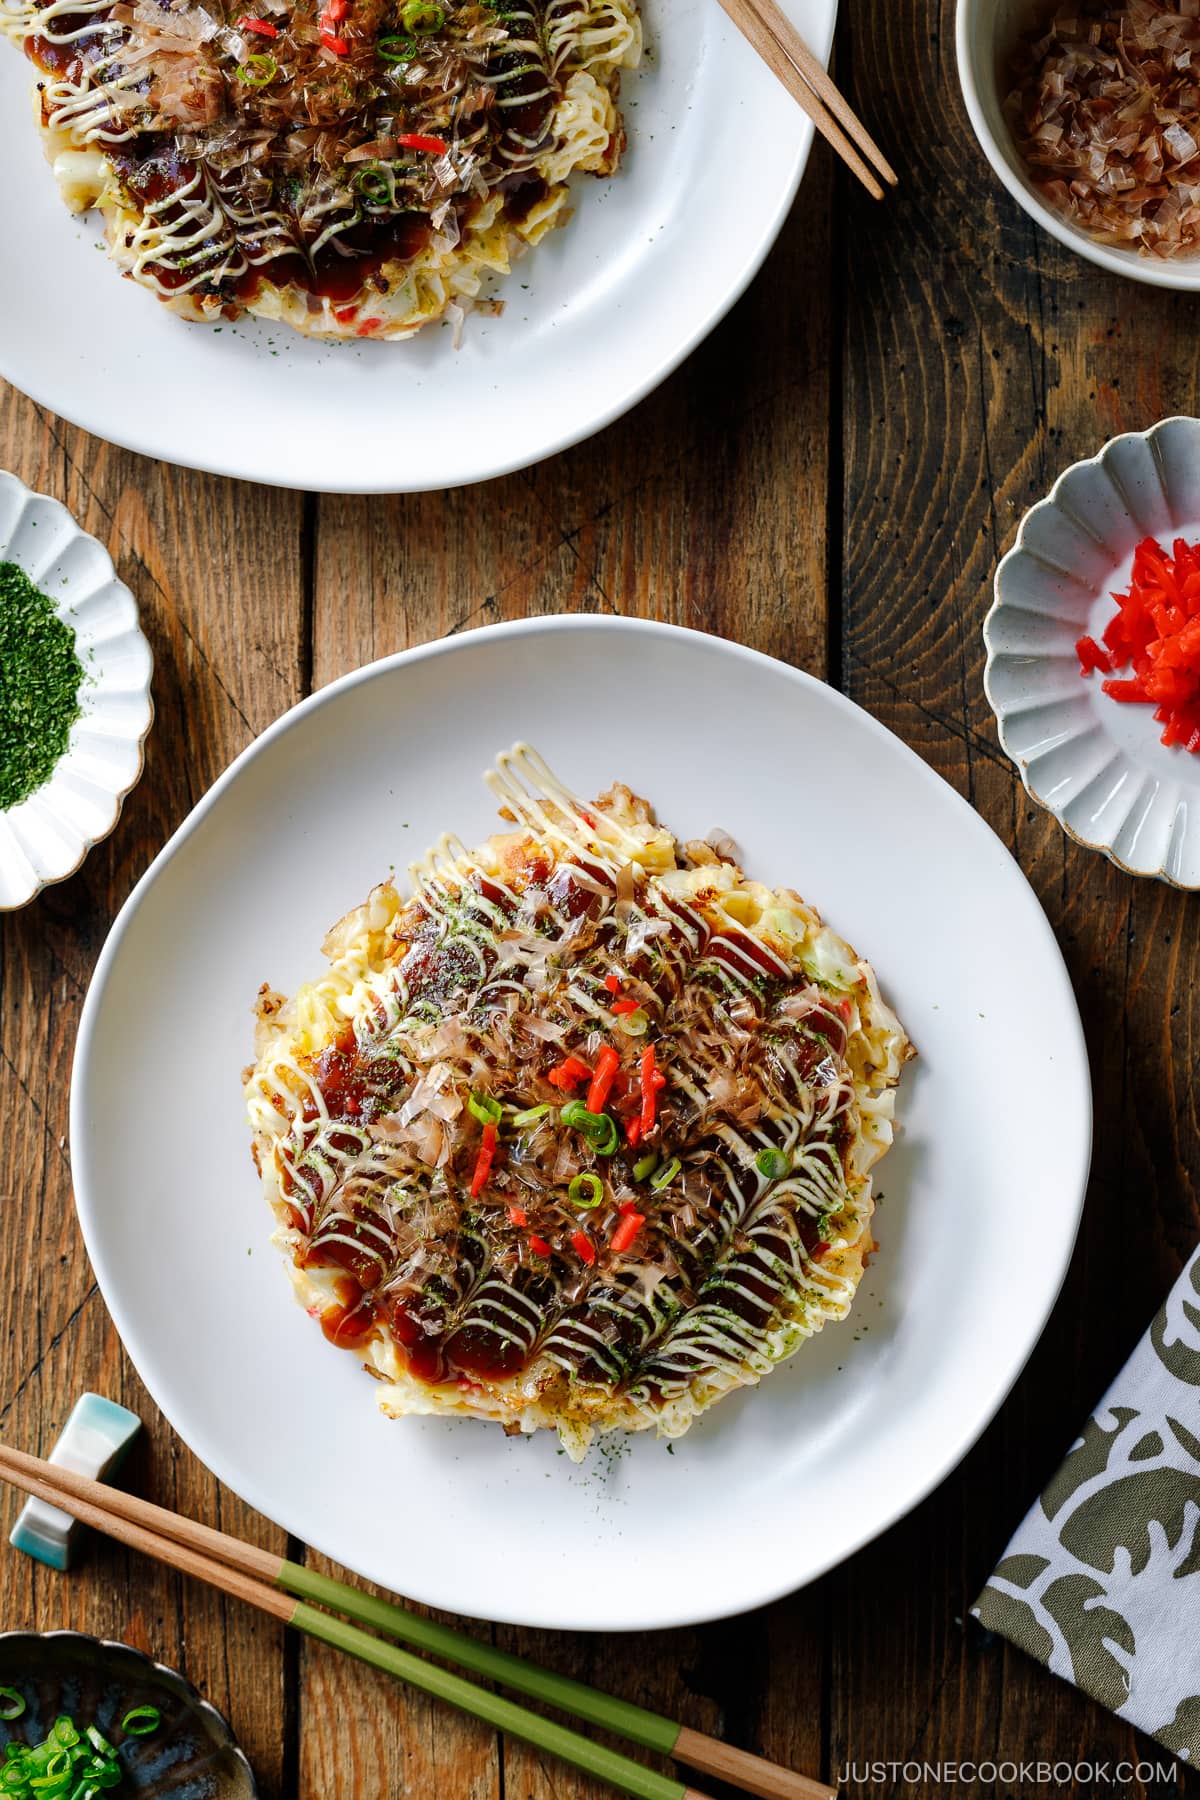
[(633, 1024), (67, 1765), (373, 185), (531, 1115), (258, 70), (600, 1129), (603, 1139), (646, 1166), (396, 49), (141, 1721), (12, 1704), (667, 1173), (485, 1109), (420, 17), (772, 1164), (586, 1190)]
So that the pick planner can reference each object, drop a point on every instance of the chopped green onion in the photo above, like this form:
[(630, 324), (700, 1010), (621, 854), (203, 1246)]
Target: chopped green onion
[(257, 71), (634, 1024), (420, 17), (485, 1109), (12, 1705), (586, 1190), (600, 1129), (603, 1139), (397, 49), (141, 1721), (373, 185), (667, 1173), (63, 1766), (773, 1164), (646, 1167), (532, 1114)]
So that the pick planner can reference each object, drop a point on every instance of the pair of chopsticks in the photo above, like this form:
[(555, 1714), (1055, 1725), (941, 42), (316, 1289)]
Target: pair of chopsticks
[(789, 57), (308, 1601)]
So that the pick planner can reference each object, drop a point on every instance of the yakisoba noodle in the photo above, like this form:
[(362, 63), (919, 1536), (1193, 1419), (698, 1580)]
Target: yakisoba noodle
[(580, 1135), (349, 167)]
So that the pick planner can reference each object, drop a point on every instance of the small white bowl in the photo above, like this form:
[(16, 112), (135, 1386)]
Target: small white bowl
[(47, 836), (1097, 765), (987, 33)]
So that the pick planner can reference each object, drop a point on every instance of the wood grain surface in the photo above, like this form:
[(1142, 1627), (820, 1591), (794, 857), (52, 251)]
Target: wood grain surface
[(830, 478)]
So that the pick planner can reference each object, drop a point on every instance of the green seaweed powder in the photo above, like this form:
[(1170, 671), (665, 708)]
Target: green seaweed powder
[(40, 674)]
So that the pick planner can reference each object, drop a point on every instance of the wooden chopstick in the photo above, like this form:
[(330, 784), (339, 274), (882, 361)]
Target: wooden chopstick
[(789, 57), (266, 1580)]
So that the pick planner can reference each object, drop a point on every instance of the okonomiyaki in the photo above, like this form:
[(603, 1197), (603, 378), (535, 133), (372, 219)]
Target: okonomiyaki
[(580, 1134), (352, 168)]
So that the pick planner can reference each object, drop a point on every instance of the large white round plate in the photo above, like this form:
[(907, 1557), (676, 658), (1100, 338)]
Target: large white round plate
[(594, 318), (982, 1194)]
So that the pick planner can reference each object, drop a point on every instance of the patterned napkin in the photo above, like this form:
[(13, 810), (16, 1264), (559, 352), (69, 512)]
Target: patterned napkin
[(1102, 1580)]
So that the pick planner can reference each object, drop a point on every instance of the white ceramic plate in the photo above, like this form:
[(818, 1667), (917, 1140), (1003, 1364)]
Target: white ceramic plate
[(46, 837), (983, 1193), (594, 318), (1097, 765)]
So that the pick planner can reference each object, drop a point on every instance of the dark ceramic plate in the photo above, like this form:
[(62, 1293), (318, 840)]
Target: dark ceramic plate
[(192, 1755)]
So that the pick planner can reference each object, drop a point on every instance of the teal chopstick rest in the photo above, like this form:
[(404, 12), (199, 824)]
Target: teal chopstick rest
[(94, 1441)]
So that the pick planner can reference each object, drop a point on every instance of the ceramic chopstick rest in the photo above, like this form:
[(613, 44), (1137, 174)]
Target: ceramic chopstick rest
[(94, 1441)]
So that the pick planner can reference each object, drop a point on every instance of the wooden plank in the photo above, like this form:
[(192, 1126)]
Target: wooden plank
[(362, 1734), (708, 507), (980, 360), (217, 571)]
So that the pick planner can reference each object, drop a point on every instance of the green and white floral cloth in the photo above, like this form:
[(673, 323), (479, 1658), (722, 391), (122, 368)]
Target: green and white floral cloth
[(1102, 1581)]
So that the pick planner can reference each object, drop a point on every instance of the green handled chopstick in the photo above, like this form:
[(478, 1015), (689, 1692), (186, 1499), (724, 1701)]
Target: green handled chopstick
[(297, 1595)]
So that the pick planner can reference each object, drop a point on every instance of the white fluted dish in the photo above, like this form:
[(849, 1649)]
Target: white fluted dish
[(47, 836), (1097, 765)]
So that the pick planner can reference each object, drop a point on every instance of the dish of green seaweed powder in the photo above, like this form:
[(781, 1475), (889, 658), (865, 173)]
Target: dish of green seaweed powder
[(40, 677)]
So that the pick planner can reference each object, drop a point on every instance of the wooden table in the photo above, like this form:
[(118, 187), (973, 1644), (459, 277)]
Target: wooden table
[(831, 478)]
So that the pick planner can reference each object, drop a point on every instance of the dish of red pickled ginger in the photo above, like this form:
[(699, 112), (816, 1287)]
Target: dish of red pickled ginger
[(1155, 631)]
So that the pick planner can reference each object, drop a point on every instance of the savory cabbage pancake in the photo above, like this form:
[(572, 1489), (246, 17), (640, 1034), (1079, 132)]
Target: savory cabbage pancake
[(352, 168), (581, 1134)]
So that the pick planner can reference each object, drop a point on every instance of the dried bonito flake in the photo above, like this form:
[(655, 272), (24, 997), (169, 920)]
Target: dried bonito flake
[(1105, 110)]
